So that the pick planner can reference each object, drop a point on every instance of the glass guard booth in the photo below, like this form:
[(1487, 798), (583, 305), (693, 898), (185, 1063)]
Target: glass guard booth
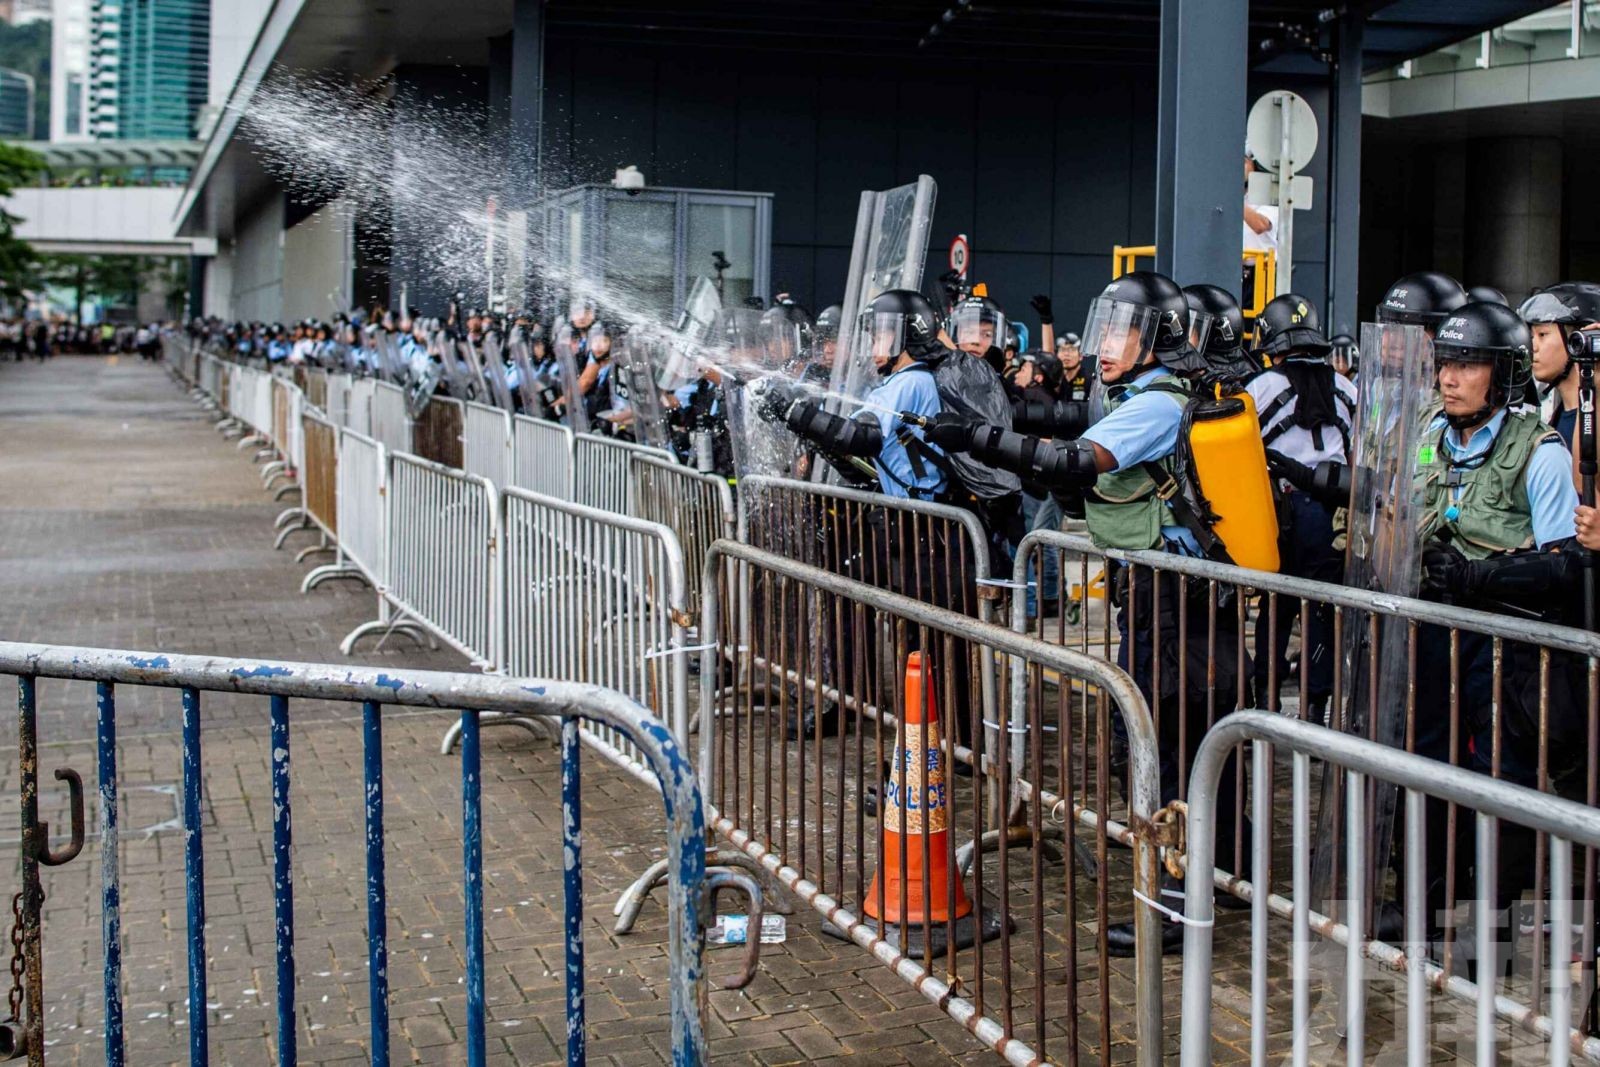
[(654, 243)]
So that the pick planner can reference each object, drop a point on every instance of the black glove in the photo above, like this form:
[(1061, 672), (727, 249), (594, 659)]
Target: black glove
[(951, 432), (1292, 471), (1041, 304), (776, 400), (1446, 573)]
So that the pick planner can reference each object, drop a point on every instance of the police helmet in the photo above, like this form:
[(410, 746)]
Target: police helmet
[(1345, 351), (1421, 299), (1485, 332), (1289, 325), (792, 323), (1216, 325), (827, 324), (1148, 306), (1047, 365), (900, 320), (1488, 294)]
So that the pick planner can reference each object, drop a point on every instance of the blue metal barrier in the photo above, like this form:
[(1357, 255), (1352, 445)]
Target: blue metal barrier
[(375, 690)]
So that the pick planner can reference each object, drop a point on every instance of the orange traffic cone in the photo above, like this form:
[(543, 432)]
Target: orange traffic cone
[(922, 806)]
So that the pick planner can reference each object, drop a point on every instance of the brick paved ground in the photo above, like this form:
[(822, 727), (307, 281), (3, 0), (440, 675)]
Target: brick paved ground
[(127, 521)]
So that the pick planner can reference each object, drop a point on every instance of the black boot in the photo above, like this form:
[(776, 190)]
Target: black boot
[(1120, 940)]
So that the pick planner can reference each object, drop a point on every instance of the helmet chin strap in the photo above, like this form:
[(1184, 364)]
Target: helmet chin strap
[(1472, 420)]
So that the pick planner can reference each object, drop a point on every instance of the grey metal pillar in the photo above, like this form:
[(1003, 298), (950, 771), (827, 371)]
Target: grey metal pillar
[(527, 99), (1344, 178), (1200, 149), (499, 88)]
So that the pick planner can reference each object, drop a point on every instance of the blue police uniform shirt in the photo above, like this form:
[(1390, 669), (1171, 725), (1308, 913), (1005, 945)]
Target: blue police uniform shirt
[(1552, 497), (278, 351), (1144, 429), (909, 389), (513, 376)]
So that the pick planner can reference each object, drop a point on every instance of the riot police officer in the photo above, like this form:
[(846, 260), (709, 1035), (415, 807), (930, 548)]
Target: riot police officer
[(900, 328), (1422, 299), (1138, 331), (1306, 411), (1497, 534), (1216, 329)]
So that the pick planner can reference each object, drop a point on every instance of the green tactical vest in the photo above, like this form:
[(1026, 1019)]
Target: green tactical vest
[(1494, 513), (1123, 511)]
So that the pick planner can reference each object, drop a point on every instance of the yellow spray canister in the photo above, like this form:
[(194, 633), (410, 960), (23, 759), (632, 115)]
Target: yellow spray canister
[(1229, 467)]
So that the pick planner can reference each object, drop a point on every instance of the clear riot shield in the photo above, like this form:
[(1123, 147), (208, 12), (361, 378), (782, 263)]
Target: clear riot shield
[(699, 312), (472, 362), (1396, 402), (747, 350), (891, 245), (493, 371), (635, 362), (572, 354), (453, 373), (529, 387)]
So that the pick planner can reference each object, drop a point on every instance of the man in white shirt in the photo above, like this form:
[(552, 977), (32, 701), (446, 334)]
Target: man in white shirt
[(1260, 220)]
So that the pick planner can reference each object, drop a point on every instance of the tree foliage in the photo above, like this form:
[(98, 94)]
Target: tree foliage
[(18, 261)]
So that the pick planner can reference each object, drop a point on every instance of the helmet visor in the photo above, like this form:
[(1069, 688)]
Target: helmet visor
[(1120, 330), (978, 329), (1201, 324), (880, 338)]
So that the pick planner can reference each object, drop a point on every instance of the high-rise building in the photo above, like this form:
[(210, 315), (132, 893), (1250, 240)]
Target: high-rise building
[(69, 70), (16, 104), (148, 64), (26, 11)]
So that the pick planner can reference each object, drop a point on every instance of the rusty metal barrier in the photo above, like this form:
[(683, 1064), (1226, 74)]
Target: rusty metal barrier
[(436, 432), (1512, 698), (1384, 1001), (1030, 964), (865, 536), (697, 507), (319, 479)]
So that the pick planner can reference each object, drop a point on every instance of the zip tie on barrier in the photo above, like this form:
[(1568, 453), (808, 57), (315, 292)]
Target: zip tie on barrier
[(658, 652), (1017, 729), (1176, 916), (1004, 583)]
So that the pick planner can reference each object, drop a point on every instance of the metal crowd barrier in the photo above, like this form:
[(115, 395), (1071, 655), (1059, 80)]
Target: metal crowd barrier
[(486, 443), (391, 426), (443, 533), (358, 416), (696, 507), (1508, 697), (688, 903), (321, 475), (596, 597), (1498, 811), (600, 471), (543, 457), (337, 404), (930, 552), (1026, 974)]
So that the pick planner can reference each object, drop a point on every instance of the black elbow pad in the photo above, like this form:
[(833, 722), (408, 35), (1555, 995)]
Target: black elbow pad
[(1330, 483), (846, 437), (1050, 418), (1053, 465)]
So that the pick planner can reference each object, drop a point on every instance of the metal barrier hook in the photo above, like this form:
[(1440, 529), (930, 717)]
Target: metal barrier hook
[(42, 851), (719, 878)]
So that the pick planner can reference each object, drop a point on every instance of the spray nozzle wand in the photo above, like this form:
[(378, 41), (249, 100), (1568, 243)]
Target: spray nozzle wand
[(919, 421)]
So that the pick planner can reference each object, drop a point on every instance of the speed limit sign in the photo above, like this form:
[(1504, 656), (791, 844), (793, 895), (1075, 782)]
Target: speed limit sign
[(960, 254)]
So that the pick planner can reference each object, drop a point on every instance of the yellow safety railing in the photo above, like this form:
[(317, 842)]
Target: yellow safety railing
[(1259, 281)]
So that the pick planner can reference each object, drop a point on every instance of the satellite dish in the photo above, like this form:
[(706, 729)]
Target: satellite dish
[(1264, 131)]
